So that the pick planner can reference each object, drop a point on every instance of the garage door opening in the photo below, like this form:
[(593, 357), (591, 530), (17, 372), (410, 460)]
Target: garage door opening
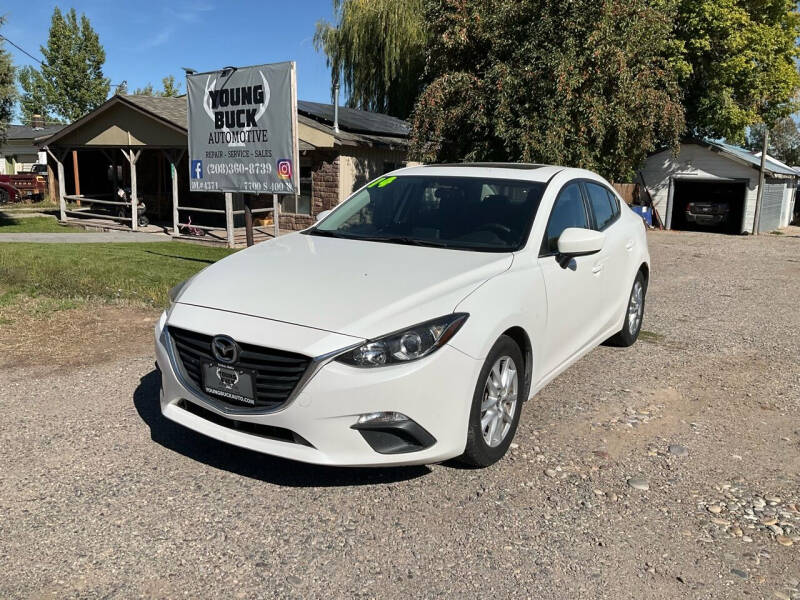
[(708, 205)]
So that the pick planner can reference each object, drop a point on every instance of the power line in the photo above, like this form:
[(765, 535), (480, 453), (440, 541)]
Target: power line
[(21, 49)]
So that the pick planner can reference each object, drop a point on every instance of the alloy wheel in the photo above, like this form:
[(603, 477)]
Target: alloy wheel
[(499, 401), (636, 308)]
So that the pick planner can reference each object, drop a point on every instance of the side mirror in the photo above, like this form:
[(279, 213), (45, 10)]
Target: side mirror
[(576, 241), (323, 214)]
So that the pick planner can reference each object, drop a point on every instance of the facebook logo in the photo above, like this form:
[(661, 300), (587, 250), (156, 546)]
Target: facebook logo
[(197, 169)]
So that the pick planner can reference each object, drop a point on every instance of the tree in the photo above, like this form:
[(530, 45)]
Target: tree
[(783, 143), (71, 79), (147, 90), (742, 56), (33, 100), (576, 82), (171, 89), (376, 50), (8, 91)]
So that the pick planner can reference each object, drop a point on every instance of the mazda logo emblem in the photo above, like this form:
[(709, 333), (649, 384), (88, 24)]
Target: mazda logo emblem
[(225, 349)]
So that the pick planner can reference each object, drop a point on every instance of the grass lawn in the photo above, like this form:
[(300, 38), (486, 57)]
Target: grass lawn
[(41, 206), (9, 224), (139, 273), (33, 225)]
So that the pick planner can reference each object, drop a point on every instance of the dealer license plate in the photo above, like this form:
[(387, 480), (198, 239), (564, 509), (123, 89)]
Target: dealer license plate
[(229, 383)]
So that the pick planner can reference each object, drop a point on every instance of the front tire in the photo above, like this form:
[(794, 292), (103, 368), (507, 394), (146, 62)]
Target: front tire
[(496, 405), (634, 315)]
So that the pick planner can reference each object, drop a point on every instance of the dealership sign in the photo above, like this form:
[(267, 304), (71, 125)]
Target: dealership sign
[(243, 130)]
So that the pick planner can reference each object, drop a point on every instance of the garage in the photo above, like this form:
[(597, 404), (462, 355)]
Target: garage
[(772, 205), (708, 205), (718, 184)]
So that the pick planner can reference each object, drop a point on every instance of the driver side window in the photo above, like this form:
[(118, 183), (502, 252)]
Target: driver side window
[(568, 211)]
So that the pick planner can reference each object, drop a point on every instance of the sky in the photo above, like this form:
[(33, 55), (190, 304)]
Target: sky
[(147, 40)]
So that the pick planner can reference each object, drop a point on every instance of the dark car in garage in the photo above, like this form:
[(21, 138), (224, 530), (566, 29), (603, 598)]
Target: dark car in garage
[(708, 212)]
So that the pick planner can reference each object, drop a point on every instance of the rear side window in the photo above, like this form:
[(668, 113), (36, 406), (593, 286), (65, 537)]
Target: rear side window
[(614, 202), (568, 211), (601, 205)]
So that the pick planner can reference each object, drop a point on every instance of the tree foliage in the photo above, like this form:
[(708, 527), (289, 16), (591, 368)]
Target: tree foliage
[(742, 56), (376, 51), (576, 82), (8, 91), (171, 89), (33, 100), (71, 81), (783, 142)]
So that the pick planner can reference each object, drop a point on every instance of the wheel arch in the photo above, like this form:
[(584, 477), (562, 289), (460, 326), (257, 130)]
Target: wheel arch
[(523, 341), (644, 268)]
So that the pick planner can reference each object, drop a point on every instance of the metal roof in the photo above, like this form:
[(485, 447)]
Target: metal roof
[(354, 120), (745, 155), (355, 126), (23, 132)]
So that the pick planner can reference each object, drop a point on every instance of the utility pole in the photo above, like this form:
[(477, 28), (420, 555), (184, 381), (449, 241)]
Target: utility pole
[(761, 178)]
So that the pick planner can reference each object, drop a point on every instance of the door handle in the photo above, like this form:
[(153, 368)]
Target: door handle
[(596, 269), (629, 246)]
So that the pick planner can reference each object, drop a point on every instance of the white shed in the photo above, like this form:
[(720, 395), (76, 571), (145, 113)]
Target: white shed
[(712, 169)]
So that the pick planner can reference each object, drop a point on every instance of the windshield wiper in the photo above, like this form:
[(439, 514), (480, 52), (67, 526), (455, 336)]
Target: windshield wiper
[(326, 233), (406, 241)]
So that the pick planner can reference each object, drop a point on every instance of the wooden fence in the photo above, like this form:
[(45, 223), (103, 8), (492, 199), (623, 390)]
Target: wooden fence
[(629, 191)]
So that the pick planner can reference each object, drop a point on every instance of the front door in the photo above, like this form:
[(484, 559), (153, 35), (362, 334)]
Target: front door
[(573, 287)]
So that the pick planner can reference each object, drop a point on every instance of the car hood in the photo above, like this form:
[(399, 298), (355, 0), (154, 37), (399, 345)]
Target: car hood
[(357, 288)]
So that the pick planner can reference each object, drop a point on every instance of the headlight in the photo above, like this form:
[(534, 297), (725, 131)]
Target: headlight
[(406, 345), (175, 291)]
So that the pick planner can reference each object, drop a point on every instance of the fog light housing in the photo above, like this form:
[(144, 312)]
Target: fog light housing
[(393, 433), (382, 418)]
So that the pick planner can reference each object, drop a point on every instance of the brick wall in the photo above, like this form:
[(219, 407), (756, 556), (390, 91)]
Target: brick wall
[(324, 191)]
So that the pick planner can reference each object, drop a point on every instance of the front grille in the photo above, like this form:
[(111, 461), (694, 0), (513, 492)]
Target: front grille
[(277, 372)]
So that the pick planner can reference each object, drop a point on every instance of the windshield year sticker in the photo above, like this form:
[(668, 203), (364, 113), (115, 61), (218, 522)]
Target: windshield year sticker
[(386, 182)]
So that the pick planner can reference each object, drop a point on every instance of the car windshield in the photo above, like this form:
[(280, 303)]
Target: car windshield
[(463, 213)]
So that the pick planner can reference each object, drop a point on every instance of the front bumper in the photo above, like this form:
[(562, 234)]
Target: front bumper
[(706, 219), (316, 425)]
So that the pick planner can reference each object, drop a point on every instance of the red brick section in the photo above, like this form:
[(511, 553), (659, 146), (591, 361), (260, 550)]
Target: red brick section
[(324, 191)]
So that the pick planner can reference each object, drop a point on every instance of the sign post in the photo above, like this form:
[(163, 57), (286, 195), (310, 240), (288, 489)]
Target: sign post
[(243, 134)]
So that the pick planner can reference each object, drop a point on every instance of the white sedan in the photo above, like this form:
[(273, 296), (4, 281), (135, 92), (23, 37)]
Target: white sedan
[(409, 324)]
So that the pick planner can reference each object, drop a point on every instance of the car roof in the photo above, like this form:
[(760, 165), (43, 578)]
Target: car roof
[(488, 170)]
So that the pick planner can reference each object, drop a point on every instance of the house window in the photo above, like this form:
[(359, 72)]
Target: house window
[(299, 204)]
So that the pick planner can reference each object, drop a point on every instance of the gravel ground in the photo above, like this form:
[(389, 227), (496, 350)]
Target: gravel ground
[(667, 470)]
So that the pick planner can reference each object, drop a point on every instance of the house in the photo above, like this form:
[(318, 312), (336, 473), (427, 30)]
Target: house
[(334, 161), (705, 170), (18, 154)]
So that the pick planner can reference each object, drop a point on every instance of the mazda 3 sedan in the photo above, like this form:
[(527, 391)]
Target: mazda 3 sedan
[(410, 324)]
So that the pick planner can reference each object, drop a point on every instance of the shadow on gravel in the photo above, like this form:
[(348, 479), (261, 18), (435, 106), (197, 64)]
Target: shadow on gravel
[(246, 462)]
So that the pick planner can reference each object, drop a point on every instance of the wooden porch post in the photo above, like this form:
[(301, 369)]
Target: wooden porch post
[(76, 174), (174, 159), (229, 218), (132, 158), (62, 204)]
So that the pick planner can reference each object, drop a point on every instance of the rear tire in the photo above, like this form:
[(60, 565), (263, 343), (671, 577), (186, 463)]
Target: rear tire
[(496, 405), (634, 315)]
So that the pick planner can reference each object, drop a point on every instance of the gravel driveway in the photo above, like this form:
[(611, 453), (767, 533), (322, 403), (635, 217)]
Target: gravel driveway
[(667, 470)]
